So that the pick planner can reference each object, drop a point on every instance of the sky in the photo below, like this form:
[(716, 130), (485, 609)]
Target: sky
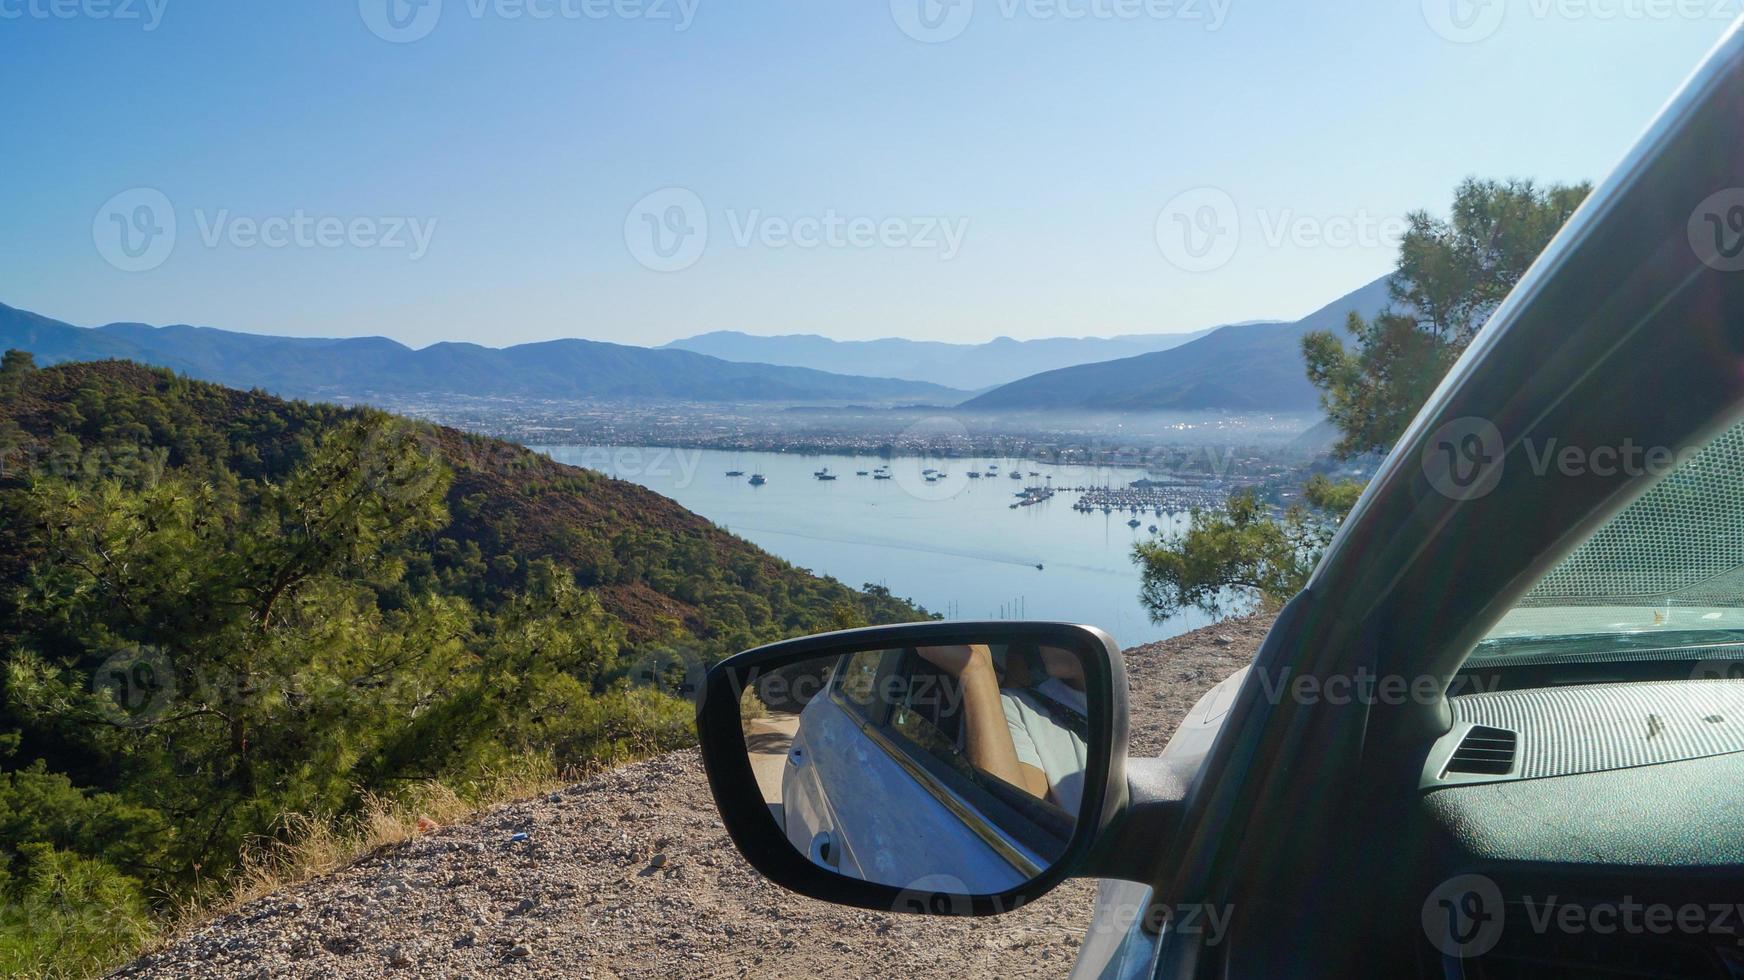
[(504, 171)]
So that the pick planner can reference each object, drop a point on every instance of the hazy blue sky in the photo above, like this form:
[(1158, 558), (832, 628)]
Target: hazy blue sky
[(469, 170)]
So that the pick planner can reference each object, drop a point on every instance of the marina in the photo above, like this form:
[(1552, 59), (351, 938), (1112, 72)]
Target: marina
[(1145, 495)]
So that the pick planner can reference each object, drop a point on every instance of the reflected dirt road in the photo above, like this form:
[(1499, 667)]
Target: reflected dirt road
[(767, 739)]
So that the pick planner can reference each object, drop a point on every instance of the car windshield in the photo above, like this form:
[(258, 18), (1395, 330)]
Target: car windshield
[(1666, 574)]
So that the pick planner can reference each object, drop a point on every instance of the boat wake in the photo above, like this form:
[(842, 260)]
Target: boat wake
[(886, 545)]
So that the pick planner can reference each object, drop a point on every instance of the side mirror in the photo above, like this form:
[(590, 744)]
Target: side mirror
[(945, 768)]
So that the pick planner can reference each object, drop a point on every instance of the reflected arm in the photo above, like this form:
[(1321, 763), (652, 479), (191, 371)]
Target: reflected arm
[(986, 734)]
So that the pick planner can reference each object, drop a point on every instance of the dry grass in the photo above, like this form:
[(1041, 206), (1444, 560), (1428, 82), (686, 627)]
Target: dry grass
[(751, 706), (312, 845)]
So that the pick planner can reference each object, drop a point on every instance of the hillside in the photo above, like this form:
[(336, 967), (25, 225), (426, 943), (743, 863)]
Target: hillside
[(365, 366), (219, 608), (621, 539), (1240, 368), (973, 366)]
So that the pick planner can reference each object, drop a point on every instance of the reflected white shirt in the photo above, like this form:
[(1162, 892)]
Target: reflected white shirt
[(1044, 743)]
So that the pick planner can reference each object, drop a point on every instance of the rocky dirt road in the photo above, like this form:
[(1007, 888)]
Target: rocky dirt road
[(631, 875)]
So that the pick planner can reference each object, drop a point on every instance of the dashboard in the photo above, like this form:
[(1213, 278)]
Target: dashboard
[(1587, 830)]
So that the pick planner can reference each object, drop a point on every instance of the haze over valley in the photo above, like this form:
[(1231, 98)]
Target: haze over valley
[(975, 366)]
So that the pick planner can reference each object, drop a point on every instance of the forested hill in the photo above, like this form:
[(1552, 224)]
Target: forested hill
[(218, 608), (652, 563)]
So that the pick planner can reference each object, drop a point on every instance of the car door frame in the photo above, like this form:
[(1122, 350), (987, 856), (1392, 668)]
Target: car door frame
[(1623, 301)]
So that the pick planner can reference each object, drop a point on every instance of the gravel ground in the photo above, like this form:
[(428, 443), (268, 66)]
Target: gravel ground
[(631, 875)]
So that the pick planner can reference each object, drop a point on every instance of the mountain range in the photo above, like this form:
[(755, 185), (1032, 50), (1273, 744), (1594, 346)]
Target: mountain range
[(971, 366), (1251, 367), (1244, 367), (363, 366)]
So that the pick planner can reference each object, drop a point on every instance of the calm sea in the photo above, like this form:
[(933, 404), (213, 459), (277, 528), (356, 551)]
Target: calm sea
[(954, 545)]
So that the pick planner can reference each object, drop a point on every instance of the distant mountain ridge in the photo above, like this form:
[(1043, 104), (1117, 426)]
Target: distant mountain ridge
[(972, 366), (1254, 367), (365, 366)]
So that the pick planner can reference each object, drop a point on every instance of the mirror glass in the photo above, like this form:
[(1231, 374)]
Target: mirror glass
[(954, 768)]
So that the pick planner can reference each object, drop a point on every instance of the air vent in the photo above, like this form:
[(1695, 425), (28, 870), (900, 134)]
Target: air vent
[(1484, 751), (1599, 727)]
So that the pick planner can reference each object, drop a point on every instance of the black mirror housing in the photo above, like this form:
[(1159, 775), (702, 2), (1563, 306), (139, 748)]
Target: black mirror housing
[(764, 842)]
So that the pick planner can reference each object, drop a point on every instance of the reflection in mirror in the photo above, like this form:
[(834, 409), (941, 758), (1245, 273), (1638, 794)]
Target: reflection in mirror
[(893, 765)]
